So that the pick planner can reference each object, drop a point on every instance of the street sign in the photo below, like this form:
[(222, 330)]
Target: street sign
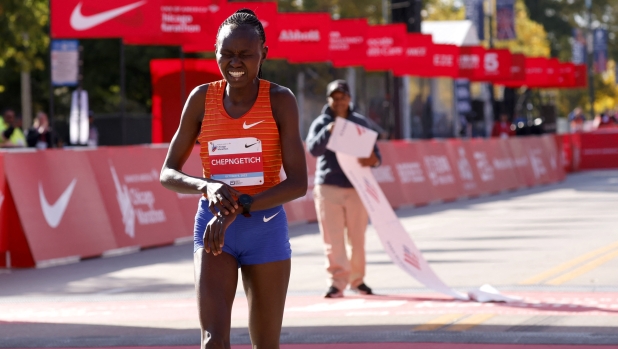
[(65, 62)]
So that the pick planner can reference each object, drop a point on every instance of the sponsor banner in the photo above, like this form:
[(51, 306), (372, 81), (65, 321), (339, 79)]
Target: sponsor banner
[(386, 46), (540, 161), (4, 191), (302, 37), (302, 209), (600, 50), (536, 71), (505, 20), (141, 211), (496, 65), (59, 204), (417, 58), (476, 13), (440, 170), (581, 75), (566, 75), (444, 61), (470, 61), (265, 11), (182, 22), (482, 160), (396, 241), (104, 19), (578, 46), (461, 154), (411, 172), (388, 174), (347, 42), (553, 153), (504, 165), (521, 160), (598, 150), (187, 203)]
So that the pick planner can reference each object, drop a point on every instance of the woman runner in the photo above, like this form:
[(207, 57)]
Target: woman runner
[(247, 128)]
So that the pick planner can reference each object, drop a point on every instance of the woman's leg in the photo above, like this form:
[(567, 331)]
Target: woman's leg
[(216, 278), (266, 286)]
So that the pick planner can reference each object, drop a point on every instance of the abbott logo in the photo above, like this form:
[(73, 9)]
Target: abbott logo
[(296, 35), (130, 198), (53, 213)]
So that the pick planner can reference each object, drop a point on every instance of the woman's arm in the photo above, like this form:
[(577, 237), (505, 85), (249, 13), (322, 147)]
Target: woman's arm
[(172, 177), (285, 112)]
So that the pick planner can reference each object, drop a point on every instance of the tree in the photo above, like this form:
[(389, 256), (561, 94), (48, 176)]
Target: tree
[(23, 39)]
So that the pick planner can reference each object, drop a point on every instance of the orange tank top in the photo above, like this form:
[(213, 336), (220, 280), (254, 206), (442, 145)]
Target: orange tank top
[(244, 153)]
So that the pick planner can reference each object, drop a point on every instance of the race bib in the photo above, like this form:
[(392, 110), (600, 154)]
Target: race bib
[(237, 162)]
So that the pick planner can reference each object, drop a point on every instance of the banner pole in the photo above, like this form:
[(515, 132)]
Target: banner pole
[(122, 95), (51, 83)]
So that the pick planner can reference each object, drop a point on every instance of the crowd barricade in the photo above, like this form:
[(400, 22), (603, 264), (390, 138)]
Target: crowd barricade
[(598, 150), (59, 206)]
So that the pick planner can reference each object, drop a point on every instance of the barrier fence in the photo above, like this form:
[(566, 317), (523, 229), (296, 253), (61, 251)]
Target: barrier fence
[(59, 206)]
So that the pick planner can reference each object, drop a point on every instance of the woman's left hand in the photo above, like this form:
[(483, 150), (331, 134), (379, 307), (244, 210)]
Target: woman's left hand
[(214, 236)]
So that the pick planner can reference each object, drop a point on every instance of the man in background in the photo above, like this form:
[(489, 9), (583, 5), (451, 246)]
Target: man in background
[(338, 206)]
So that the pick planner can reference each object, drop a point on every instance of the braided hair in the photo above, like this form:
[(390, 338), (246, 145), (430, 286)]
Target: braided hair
[(246, 17)]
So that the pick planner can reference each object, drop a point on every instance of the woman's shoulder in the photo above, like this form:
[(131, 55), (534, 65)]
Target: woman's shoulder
[(280, 93)]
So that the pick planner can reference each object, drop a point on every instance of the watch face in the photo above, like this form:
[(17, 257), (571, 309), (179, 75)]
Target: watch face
[(245, 199)]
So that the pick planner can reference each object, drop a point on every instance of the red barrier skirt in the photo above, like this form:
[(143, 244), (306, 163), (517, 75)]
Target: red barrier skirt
[(410, 170), (440, 171), (461, 154), (599, 150), (387, 174), (141, 211), (59, 205), (519, 152)]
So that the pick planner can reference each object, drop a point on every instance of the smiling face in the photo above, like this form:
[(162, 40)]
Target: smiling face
[(240, 53), (339, 102)]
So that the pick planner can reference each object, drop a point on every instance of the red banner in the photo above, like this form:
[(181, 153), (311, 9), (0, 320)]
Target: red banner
[(462, 155), (581, 75), (141, 211), (444, 61), (566, 75), (417, 58), (265, 11), (347, 42), (496, 65), (386, 175), (385, 46), (104, 19), (59, 205), (182, 22), (302, 37), (470, 61)]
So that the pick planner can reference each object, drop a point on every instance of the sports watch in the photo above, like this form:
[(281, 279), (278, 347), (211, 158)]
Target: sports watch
[(245, 202)]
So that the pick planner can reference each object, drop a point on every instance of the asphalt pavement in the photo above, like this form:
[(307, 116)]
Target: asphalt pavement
[(554, 246)]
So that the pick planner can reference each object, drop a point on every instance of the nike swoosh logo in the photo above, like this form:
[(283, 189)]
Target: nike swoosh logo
[(250, 145), (53, 213), (80, 22), (246, 127), (267, 219)]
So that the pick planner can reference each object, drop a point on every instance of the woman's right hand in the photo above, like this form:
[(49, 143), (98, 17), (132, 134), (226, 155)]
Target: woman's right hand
[(221, 197)]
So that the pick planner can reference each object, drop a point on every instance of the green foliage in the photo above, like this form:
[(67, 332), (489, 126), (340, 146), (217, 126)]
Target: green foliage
[(23, 27)]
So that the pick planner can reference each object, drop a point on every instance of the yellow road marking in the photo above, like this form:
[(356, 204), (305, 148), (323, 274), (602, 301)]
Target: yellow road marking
[(567, 265), (438, 322), (583, 269), (470, 322)]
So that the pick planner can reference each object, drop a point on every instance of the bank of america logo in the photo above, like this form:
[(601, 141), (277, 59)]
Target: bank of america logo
[(213, 147), (410, 258), (371, 191)]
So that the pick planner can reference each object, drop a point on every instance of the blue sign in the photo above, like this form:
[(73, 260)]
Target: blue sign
[(476, 13), (505, 20), (578, 47), (65, 62), (600, 50)]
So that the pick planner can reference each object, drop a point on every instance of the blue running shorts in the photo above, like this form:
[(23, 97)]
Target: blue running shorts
[(261, 238)]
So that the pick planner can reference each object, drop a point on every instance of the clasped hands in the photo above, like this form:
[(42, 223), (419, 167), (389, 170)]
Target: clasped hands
[(222, 204)]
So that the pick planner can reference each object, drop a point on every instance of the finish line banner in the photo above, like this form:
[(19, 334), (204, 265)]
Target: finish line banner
[(351, 141)]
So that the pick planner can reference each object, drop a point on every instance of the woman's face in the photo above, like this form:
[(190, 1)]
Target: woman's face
[(239, 54)]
